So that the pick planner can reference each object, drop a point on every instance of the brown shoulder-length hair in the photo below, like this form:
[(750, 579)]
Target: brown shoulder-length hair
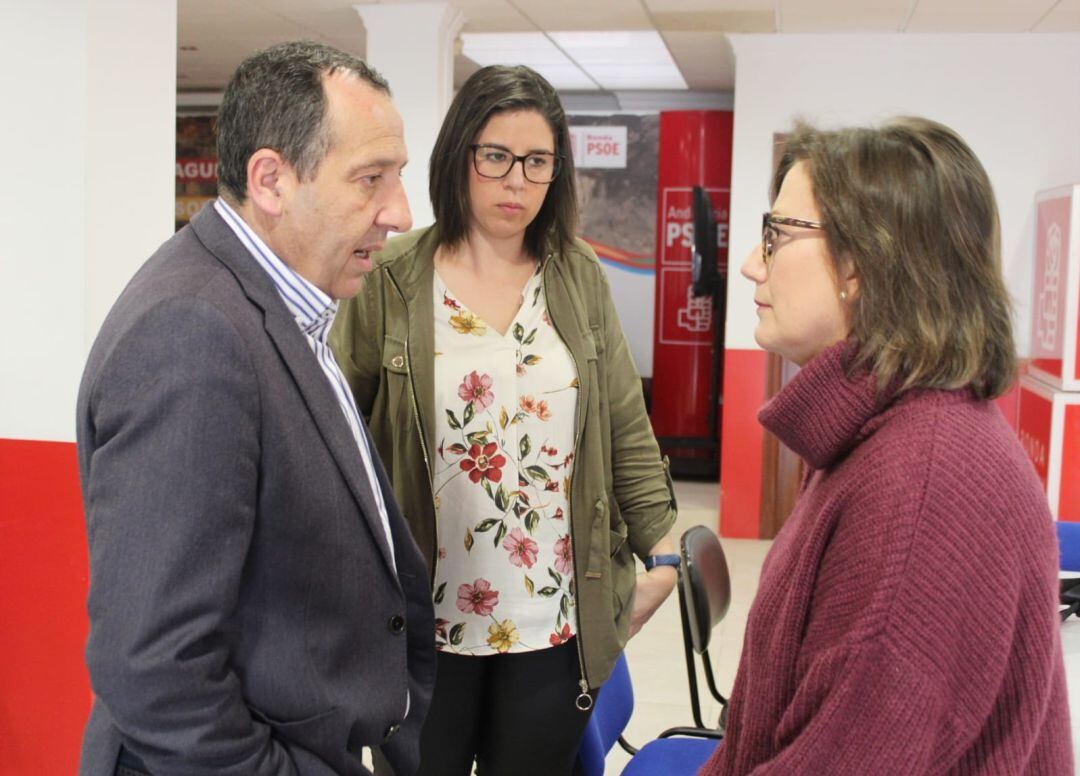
[(491, 90), (909, 207)]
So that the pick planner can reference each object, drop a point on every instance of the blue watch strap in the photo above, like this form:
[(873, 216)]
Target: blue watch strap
[(653, 561)]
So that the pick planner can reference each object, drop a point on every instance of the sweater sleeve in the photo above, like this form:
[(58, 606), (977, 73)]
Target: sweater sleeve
[(861, 709)]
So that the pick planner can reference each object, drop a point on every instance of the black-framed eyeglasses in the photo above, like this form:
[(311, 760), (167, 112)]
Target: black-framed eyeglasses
[(769, 233), (495, 161)]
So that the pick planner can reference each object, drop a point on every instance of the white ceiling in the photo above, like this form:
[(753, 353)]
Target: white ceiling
[(214, 36)]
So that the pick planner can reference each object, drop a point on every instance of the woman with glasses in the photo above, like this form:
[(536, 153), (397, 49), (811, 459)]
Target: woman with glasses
[(500, 392), (906, 619)]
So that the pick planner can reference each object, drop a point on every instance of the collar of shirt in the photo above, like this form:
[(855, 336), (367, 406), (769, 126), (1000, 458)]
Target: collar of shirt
[(312, 309)]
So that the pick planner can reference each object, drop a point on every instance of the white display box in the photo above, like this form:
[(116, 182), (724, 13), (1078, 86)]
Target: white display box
[(1056, 288)]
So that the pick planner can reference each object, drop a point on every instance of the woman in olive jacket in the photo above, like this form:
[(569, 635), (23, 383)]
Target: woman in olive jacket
[(503, 249)]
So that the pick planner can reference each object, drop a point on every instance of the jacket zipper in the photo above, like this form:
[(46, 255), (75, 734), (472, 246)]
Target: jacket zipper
[(583, 701), (423, 444)]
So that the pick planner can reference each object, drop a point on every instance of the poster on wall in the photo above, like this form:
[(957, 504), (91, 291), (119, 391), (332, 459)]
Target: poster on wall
[(196, 166), (616, 161)]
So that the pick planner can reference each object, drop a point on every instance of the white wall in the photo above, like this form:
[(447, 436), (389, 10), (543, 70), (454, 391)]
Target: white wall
[(1014, 98), (420, 70), (634, 294), (88, 134), (131, 144)]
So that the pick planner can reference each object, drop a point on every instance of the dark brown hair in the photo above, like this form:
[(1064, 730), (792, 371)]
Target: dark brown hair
[(276, 100), (909, 207), (491, 90)]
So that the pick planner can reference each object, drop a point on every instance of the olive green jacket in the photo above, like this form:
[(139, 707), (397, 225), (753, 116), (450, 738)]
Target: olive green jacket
[(621, 499)]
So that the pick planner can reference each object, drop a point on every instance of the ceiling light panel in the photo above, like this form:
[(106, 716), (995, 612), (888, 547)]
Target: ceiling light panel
[(526, 48), (623, 60)]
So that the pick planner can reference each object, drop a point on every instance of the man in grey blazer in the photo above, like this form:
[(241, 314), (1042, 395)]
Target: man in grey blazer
[(257, 604)]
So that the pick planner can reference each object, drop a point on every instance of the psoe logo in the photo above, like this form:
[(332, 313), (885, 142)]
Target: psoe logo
[(696, 316), (1047, 314)]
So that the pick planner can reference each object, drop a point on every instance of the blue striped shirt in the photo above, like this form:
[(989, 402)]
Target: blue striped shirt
[(314, 313)]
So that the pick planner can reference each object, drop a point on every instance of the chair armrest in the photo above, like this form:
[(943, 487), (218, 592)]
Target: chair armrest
[(693, 732)]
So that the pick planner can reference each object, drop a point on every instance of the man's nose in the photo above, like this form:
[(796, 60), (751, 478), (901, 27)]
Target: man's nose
[(395, 215)]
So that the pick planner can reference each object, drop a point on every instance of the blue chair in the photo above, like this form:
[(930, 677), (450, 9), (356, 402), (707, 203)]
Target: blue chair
[(1069, 544), (614, 706), (704, 597), (678, 752)]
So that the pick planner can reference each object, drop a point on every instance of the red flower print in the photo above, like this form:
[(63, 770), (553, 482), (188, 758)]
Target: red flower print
[(560, 637), (520, 370), (558, 514), (564, 555), (442, 553), (551, 485), (549, 450), (522, 549), (440, 628), (527, 404), (477, 389), (450, 302), (542, 411), (477, 598), (483, 464)]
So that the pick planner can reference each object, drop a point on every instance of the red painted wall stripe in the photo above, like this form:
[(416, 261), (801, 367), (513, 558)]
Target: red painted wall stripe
[(743, 437), (44, 687)]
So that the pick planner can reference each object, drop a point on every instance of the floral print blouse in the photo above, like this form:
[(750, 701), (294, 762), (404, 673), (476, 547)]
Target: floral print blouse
[(505, 409)]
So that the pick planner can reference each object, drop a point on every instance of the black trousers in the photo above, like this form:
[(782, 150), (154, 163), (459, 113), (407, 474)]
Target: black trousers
[(514, 714)]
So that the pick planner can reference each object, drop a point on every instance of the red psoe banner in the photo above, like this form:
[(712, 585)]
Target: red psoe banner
[(695, 150)]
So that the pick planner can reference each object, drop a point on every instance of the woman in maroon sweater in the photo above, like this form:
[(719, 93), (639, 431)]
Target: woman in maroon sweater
[(906, 621)]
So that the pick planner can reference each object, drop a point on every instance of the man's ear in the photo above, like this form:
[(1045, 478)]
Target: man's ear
[(268, 180)]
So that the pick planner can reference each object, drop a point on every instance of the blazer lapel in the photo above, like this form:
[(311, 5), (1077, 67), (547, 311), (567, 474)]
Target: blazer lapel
[(295, 352)]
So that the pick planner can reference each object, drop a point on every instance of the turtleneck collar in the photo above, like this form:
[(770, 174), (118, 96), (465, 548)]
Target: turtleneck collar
[(821, 413)]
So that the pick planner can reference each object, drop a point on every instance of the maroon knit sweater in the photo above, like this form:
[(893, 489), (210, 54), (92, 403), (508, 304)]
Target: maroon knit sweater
[(906, 621)]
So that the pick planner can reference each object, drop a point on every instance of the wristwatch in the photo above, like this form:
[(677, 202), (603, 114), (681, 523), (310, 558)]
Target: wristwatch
[(653, 561)]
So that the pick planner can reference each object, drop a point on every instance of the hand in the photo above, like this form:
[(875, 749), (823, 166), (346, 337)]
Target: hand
[(652, 588)]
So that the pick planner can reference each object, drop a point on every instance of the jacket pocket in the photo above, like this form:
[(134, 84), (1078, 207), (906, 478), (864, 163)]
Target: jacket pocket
[(623, 574), (617, 538), (318, 732)]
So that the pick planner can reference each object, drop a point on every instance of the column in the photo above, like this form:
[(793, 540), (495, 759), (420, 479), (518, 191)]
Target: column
[(412, 45)]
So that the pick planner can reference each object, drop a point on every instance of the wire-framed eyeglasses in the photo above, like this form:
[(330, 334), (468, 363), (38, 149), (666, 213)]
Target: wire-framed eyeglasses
[(769, 233), (495, 161)]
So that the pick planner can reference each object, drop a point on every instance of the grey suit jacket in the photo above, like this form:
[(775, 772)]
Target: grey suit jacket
[(245, 617)]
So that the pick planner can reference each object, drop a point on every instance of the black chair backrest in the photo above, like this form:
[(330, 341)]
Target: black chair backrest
[(706, 584)]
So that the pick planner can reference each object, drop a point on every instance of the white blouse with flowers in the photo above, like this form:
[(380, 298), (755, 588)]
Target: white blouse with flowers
[(505, 412)]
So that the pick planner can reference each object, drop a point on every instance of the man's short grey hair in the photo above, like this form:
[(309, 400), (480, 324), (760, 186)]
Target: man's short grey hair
[(276, 100)]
